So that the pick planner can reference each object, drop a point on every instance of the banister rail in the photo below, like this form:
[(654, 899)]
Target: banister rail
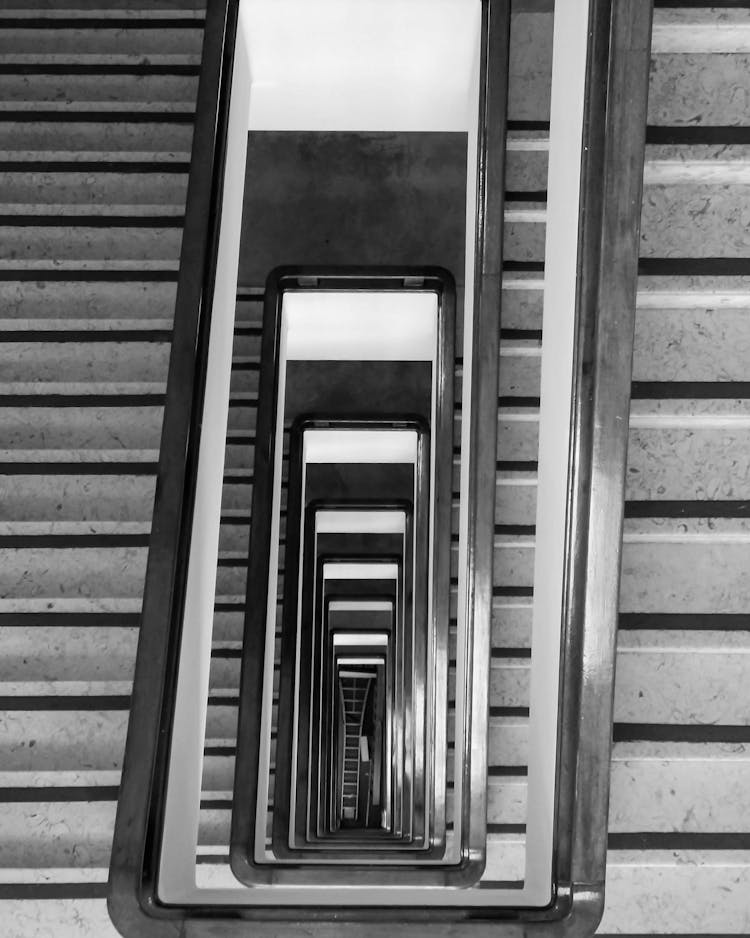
[(386, 571)]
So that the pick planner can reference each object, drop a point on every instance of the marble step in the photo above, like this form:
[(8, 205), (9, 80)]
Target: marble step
[(694, 886), (75, 505), (673, 454), (706, 219), (53, 142), (670, 789), (510, 617), (147, 93), (530, 66), (685, 344), (699, 70), (664, 164), (28, 247), (97, 9), (52, 43), (77, 429), (53, 574), (699, 67), (708, 30), (672, 677), (67, 306), (678, 448), (698, 89), (659, 557), (101, 193), (702, 220)]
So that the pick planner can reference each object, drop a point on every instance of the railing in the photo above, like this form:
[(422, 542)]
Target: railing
[(290, 840)]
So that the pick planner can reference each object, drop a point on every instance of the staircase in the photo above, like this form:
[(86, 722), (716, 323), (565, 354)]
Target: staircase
[(96, 112), (95, 131), (354, 693)]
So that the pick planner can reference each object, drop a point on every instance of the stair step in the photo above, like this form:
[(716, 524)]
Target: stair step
[(75, 429), (139, 43), (26, 246), (691, 31), (109, 93), (100, 193), (41, 141), (698, 90), (140, 9), (94, 304)]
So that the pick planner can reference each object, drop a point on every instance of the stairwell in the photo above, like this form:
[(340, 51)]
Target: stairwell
[(95, 129)]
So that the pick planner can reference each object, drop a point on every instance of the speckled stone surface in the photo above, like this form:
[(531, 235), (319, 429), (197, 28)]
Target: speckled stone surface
[(526, 171), (698, 410), (28, 243), (682, 677), (43, 653), (29, 300), (695, 221), (514, 565), (72, 918), (92, 188), (54, 498), (701, 577), (515, 504), (62, 740), (686, 892), (506, 801), (523, 241), (32, 362), (706, 89), (508, 740), (517, 439), (680, 787), (521, 308), (689, 464), (509, 683), (511, 622), (707, 154), (530, 66), (89, 572), (81, 137), (519, 375), (67, 428), (692, 345), (57, 834), (172, 92), (139, 41)]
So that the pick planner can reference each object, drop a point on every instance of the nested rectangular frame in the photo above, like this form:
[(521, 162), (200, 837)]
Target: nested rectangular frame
[(349, 663), (405, 512), (369, 640), (320, 639), (310, 541), (393, 572), (355, 608), (320, 284), (140, 901), (404, 428), (416, 532)]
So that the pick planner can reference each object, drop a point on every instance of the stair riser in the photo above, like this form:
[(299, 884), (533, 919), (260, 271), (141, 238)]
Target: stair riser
[(131, 41), (74, 137), (53, 244), (33, 92), (94, 189), (66, 300)]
